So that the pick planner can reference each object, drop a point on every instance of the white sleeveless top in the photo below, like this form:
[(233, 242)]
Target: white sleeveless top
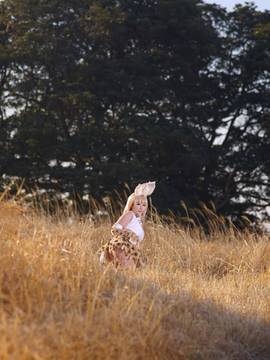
[(135, 225)]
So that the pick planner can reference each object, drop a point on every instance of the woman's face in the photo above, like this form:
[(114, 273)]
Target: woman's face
[(139, 206)]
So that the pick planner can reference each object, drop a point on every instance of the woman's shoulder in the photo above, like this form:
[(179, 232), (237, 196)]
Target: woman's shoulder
[(129, 215)]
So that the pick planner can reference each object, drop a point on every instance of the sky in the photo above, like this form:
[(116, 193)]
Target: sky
[(261, 4)]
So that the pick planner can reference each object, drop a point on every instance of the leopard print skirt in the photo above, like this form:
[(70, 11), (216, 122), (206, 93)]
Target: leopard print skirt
[(124, 240)]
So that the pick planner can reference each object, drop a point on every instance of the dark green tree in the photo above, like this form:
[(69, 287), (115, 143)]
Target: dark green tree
[(5, 78), (236, 171), (108, 92)]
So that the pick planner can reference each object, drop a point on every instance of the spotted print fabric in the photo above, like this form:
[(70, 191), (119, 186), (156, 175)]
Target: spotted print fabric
[(125, 240)]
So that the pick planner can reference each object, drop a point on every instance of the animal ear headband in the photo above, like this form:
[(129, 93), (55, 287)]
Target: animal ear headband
[(145, 189)]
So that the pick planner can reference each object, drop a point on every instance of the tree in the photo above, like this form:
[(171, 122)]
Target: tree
[(125, 91), (5, 76), (235, 175)]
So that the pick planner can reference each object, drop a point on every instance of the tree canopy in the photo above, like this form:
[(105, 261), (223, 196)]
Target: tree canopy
[(108, 92)]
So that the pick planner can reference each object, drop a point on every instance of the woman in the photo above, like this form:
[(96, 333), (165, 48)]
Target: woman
[(127, 233)]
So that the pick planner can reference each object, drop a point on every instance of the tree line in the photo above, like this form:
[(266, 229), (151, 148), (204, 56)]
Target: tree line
[(95, 94)]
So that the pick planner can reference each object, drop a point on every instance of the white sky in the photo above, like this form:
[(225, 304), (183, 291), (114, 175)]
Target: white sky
[(261, 4)]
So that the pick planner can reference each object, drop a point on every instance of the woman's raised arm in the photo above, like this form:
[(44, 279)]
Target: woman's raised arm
[(124, 220)]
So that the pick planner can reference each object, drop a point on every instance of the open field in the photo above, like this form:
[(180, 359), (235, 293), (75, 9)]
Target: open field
[(198, 297)]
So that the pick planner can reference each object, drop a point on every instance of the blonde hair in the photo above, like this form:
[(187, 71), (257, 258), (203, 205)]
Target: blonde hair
[(129, 203)]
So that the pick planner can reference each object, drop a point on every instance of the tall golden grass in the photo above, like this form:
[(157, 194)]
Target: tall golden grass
[(200, 296)]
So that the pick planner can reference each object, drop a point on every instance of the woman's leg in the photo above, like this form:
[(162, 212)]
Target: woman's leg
[(102, 258)]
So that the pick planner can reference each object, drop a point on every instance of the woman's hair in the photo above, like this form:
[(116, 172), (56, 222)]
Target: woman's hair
[(129, 203)]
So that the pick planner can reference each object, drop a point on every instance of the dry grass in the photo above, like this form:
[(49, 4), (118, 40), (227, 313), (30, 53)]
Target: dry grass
[(198, 298)]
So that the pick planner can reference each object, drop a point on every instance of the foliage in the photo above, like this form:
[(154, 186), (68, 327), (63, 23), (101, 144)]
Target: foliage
[(113, 92)]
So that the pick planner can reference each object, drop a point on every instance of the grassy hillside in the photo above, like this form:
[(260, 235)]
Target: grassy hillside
[(198, 297)]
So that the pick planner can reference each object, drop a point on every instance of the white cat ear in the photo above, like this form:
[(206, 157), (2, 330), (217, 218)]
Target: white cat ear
[(145, 189)]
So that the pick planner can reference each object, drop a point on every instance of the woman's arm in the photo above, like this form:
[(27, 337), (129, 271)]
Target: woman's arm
[(124, 220)]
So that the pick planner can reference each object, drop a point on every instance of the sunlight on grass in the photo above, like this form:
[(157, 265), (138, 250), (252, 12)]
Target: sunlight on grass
[(200, 296)]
